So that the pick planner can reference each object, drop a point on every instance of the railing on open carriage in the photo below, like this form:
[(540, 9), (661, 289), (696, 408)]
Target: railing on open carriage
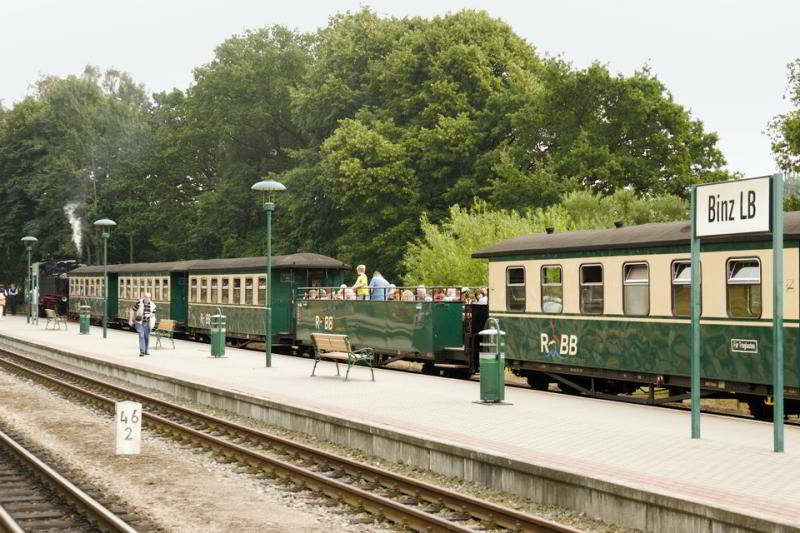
[(419, 293)]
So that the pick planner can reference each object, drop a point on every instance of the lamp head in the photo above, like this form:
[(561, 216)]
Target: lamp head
[(268, 187), (29, 241), (105, 224)]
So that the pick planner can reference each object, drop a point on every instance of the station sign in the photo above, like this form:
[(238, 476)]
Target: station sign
[(734, 207)]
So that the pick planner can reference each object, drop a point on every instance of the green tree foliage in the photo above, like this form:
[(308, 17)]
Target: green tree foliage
[(471, 111), (81, 139), (371, 123), (443, 255), (785, 129)]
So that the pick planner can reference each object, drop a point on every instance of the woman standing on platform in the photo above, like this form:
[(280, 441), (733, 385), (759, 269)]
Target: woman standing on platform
[(2, 301)]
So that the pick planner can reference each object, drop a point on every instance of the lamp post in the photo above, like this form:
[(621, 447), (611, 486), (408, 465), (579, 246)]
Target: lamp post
[(268, 187), (106, 224), (29, 242)]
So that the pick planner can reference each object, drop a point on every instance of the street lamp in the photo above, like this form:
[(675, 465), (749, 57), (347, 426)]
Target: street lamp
[(29, 242), (269, 188), (106, 224)]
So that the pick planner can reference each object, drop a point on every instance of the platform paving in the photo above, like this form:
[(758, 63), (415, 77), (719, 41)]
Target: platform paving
[(732, 467)]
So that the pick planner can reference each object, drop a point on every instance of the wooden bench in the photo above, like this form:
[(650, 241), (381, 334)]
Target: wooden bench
[(55, 319), (337, 348), (165, 329)]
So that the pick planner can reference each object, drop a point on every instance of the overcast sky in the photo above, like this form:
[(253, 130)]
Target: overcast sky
[(724, 60)]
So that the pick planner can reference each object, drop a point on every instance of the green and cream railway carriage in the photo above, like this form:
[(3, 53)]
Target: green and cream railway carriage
[(237, 288), (607, 311), (190, 292), (86, 288)]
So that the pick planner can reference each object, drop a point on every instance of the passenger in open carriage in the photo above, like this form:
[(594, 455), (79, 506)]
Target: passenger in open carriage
[(422, 294)]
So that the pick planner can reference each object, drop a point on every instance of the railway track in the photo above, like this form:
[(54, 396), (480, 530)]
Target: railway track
[(34, 497), (402, 500)]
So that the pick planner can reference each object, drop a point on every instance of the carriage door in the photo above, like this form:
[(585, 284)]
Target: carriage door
[(177, 297)]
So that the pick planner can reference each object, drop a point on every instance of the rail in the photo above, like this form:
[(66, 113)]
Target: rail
[(415, 504), (84, 504)]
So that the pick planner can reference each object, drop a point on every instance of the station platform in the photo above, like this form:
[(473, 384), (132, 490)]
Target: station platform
[(632, 465)]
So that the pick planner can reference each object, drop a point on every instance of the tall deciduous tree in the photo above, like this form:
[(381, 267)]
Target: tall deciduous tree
[(785, 129)]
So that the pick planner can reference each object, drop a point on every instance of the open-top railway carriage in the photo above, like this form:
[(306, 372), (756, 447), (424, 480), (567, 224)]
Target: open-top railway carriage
[(442, 335), (606, 312)]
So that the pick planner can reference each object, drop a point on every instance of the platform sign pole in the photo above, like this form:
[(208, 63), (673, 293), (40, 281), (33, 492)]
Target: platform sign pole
[(777, 314), (695, 304)]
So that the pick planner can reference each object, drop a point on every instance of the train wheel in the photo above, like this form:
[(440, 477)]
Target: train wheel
[(428, 369), (759, 409), (538, 382)]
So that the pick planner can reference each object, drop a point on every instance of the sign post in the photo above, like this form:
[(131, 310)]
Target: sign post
[(777, 312), (752, 205), (695, 306)]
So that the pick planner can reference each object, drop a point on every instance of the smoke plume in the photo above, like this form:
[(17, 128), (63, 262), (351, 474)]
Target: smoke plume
[(75, 222)]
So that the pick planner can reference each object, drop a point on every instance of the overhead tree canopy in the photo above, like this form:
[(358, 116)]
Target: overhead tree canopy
[(785, 128), (374, 124)]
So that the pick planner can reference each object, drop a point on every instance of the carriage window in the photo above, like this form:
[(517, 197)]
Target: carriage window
[(193, 290), (515, 289), (213, 296), (682, 288), (592, 289), (226, 293), (552, 290), (636, 289), (248, 291), (744, 288), (237, 291), (204, 291), (262, 290)]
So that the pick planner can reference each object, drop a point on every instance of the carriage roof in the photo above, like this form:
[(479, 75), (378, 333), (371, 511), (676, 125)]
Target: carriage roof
[(298, 260), (644, 235)]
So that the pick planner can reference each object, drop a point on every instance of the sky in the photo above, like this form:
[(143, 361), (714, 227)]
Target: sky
[(725, 61)]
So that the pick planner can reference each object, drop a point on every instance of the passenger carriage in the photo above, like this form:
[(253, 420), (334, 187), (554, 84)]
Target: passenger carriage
[(237, 288), (86, 286), (166, 283), (606, 312)]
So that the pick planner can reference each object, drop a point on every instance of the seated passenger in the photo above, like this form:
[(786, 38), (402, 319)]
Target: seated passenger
[(422, 294), (323, 294), (483, 298), (438, 295), (349, 294), (466, 296), (393, 294), (450, 295), (340, 293), (408, 296), (312, 294)]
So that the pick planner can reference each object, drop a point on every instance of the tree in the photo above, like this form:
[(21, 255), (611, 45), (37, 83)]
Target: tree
[(785, 128), (605, 132), (443, 256)]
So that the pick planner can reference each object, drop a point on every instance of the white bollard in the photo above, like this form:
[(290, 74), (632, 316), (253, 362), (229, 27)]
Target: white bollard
[(128, 426)]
